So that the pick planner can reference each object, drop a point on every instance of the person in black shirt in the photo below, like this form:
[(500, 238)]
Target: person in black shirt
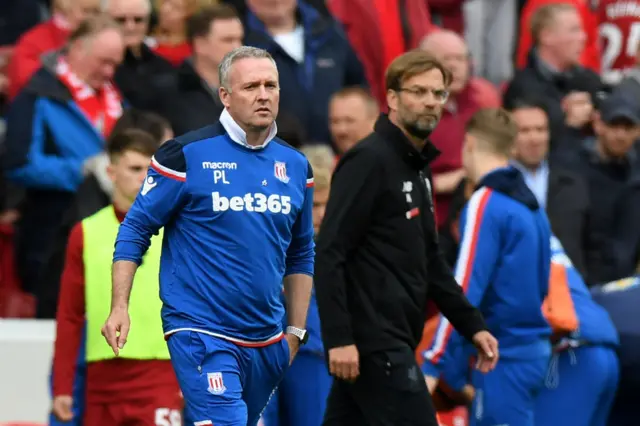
[(378, 261)]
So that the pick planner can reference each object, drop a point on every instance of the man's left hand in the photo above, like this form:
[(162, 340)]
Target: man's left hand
[(294, 346), (488, 355)]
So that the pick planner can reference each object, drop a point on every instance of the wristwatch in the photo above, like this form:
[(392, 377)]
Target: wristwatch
[(301, 334)]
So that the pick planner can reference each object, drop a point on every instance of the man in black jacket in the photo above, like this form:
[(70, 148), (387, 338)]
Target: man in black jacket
[(378, 260)]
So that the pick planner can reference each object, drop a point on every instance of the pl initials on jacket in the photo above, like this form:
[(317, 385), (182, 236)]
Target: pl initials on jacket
[(237, 219), (146, 340)]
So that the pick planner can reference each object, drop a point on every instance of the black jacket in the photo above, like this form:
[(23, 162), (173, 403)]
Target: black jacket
[(190, 104), (139, 78), (378, 259), (568, 207), (536, 79)]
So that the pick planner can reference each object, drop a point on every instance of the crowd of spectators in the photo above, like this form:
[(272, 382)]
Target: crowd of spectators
[(566, 69)]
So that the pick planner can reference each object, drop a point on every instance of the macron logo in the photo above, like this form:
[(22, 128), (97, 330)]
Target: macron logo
[(149, 184), (258, 203), (215, 165)]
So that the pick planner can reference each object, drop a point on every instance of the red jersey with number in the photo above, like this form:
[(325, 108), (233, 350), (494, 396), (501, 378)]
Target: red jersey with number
[(619, 29)]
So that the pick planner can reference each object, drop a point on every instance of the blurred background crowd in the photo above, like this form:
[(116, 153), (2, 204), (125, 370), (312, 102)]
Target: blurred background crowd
[(568, 70)]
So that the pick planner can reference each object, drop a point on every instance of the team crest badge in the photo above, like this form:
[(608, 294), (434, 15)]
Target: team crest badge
[(280, 171), (216, 384)]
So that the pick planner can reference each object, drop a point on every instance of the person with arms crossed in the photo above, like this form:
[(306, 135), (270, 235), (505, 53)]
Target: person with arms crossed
[(379, 262), (503, 268), (138, 387), (236, 206)]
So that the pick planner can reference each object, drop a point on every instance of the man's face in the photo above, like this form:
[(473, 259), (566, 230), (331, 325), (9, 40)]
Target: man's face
[(255, 93), (133, 15), (567, 36), (452, 51), (128, 171), (320, 199), (100, 57), (350, 120), (172, 14), (458, 63), (419, 102), (532, 143), (272, 10), (617, 137), (224, 36)]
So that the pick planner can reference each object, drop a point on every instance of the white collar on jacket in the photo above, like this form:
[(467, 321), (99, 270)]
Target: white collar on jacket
[(238, 135)]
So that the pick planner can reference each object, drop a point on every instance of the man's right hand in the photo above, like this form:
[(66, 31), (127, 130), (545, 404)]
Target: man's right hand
[(63, 408), (116, 329), (578, 109), (344, 362)]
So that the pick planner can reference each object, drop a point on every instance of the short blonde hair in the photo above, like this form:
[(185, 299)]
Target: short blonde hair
[(319, 156), (322, 178), (543, 18), (495, 129), (370, 102)]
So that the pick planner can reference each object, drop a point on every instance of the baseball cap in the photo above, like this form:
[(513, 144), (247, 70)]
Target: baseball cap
[(618, 106)]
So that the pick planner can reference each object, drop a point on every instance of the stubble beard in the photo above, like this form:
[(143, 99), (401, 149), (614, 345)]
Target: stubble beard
[(421, 129)]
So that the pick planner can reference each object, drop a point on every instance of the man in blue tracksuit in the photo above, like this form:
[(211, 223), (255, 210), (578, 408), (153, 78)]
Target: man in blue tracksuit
[(236, 206), (583, 374), (301, 398), (503, 267)]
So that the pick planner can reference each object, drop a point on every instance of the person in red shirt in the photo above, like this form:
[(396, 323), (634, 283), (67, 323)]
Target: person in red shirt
[(125, 390), (619, 28), (47, 36)]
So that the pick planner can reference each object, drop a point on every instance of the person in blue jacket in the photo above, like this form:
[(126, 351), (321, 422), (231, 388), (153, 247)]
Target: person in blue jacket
[(583, 374), (301, 398), (235, 204), (621, 299), (503, 266)]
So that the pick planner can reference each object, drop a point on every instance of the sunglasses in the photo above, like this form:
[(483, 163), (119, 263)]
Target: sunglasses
[(135, 19)]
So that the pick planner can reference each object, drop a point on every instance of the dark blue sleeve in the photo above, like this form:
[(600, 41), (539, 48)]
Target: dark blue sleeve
[(26, 158), (162, 195), (354, 71), (301, 251)]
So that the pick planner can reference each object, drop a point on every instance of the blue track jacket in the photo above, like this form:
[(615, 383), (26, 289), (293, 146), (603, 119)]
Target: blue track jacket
[(236, 221), (503, 267)]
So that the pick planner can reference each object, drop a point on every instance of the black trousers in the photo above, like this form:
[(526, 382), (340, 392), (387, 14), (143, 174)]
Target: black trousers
[(390, 391)]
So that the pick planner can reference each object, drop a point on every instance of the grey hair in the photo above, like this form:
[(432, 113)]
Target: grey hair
[(242, 52)]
